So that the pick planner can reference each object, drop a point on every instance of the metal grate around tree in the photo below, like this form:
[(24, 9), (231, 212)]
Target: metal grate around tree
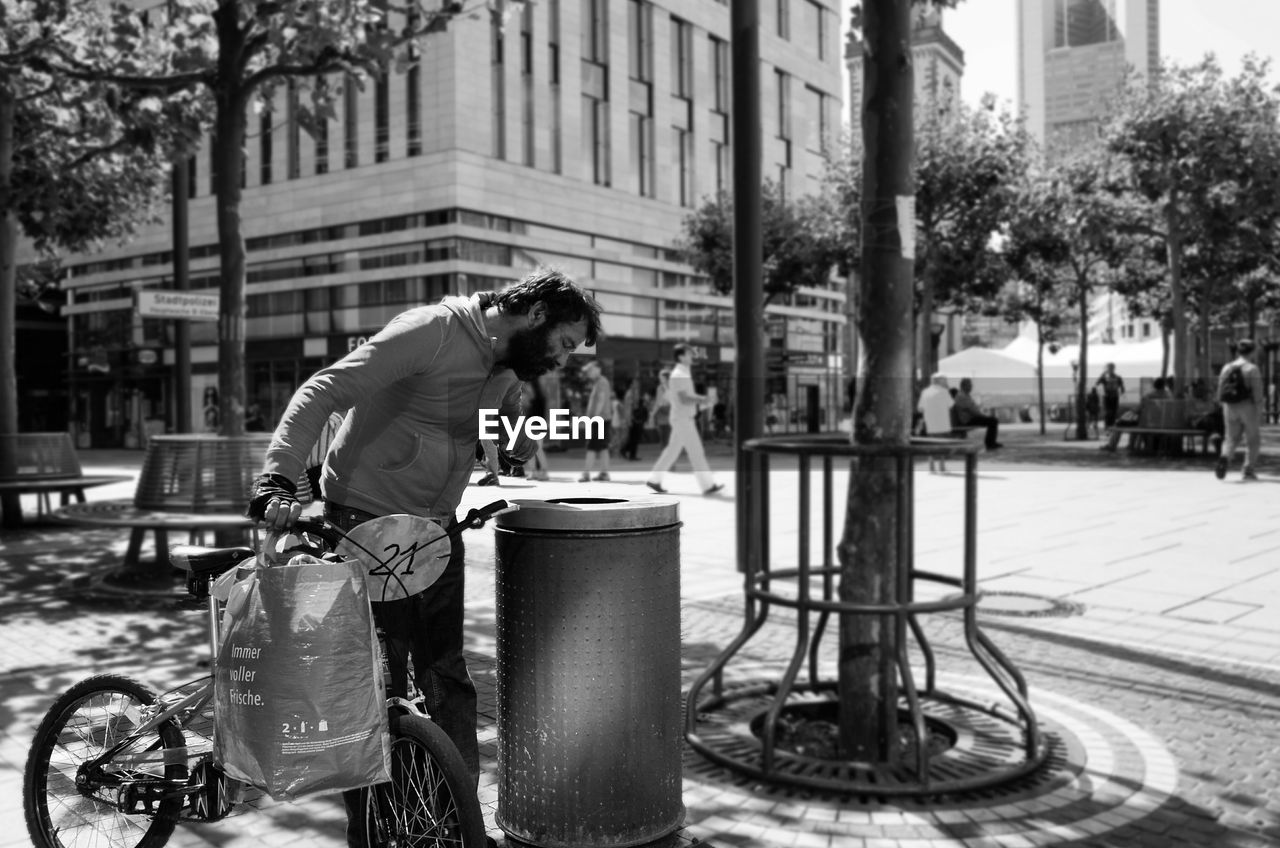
[(954, 741)]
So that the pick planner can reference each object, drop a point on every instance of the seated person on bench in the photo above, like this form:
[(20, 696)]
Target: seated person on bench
[(969, 414)]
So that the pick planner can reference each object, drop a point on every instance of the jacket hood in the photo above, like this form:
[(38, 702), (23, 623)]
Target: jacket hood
[(470, 314)]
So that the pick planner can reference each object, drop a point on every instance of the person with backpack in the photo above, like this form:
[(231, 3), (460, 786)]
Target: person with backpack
[(1240, 393)]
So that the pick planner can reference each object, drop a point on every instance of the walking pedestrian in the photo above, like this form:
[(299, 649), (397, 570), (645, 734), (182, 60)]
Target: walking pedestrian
[(413, 394), (636, 414), (684, 403), (1240, 392), (1112, 388), (660, 409), (534, 401), (599, 403)]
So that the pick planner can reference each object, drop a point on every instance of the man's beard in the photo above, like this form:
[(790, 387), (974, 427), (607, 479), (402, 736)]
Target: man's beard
[(527, 353)]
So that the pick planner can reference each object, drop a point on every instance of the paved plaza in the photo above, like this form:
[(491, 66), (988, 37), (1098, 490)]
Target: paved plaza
[(1140, 597)]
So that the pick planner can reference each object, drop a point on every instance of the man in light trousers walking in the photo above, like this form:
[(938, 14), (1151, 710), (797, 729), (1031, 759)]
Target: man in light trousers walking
[(684, 402)]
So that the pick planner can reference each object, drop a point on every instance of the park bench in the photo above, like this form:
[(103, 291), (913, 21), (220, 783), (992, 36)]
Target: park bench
[(1164, 427), (45, 464), (197, 483)]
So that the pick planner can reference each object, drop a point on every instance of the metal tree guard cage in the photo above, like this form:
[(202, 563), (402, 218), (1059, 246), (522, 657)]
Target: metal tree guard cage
[(1006, 740)]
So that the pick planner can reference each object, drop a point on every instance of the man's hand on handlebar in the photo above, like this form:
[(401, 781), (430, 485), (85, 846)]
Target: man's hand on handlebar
[(274, 502)]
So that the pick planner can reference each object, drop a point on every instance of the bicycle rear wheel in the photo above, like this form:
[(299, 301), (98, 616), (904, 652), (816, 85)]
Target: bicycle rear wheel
[(69, 805), (431, 799)]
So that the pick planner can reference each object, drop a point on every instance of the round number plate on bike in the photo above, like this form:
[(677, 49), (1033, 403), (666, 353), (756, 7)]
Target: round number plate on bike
[(402, 554)]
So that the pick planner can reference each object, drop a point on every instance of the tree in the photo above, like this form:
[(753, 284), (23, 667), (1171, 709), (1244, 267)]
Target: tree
[(79, 163), (1192, 139), (966, 166), (1075, 223), (237, 54), (1034, 252), (800, 242)]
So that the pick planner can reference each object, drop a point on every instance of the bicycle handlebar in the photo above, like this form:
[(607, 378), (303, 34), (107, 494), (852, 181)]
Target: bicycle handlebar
[(332, 536)]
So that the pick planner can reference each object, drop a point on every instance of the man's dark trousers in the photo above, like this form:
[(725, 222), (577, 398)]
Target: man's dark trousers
[(426, 628), (990, 422), (1110, 409)]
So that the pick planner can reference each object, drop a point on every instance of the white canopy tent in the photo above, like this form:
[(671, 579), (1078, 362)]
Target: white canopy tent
[(1000, 379), (1133, 361)]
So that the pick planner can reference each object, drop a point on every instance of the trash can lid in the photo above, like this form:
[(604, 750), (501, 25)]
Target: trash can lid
[(591, 514)]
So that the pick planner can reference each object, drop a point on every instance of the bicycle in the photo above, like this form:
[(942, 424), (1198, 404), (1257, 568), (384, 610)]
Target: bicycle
[(115, 764)]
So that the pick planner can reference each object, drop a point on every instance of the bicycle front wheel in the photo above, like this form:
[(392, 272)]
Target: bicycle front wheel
[(69, 804), (431, 799)]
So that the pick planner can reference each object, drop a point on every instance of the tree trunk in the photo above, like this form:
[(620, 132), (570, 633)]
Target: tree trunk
[(925, 360), (1082, 414), (1206, 340), (870, 556), (1040, 372), (10, 503), (1181, 361), (1165, 330), (228, 155)]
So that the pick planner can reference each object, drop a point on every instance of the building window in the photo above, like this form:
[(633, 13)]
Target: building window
[(1077, 23), (497, 83), (642, 153), (413, 109), (815, 29), (264, 148), (784, 19), (720, 74), (783, 114), (350, 123), (553, 36), (681, 58), (293, 153), (683, 142), (640, 30), (816, 120), (191, 176), (595, 91), (720, 159), (595, 31), (595, 139), (526, 75), (382, 116)]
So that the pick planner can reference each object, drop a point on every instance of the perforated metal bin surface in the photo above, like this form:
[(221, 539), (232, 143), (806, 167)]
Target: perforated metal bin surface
[(589, 702)]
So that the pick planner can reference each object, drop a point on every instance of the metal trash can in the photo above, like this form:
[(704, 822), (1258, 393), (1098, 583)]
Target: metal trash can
[(589, 701)]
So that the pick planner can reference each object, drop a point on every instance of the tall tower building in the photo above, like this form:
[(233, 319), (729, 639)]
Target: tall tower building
[(574, 133), (939, 66), (1073, 58)]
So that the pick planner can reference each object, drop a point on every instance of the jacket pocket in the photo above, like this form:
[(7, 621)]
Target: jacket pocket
[(405, 465)]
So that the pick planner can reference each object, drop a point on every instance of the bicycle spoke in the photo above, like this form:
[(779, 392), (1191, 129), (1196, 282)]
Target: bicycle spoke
[(81, 728)]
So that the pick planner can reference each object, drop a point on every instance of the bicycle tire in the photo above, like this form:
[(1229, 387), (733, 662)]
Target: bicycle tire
[(82, 723), (431, 799)]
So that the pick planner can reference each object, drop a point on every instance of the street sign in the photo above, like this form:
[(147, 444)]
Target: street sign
[(156, 303)]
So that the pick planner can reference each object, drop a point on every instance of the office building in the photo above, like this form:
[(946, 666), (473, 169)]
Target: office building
[(1073, 59), (576, 133)]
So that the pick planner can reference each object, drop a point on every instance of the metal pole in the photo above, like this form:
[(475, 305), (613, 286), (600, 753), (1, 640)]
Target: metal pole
[(748, 287), (181, 282)]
